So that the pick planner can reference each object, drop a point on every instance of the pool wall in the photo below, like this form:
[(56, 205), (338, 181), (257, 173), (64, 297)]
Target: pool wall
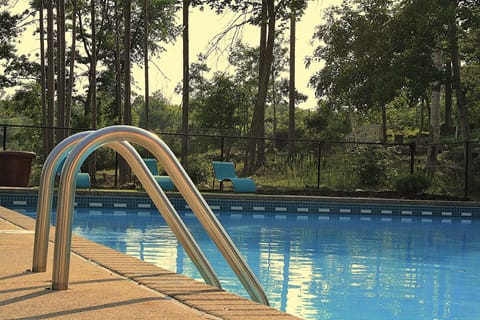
[(20, 198)]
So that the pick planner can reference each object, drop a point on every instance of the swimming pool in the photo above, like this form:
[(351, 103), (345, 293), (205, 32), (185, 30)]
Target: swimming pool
[(319, 266)]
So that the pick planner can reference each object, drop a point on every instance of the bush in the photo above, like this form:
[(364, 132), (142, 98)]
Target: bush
[(199, 169), (373, 165), (411, 183)]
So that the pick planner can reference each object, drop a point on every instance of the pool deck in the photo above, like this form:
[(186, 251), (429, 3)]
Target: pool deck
[(105, 284)]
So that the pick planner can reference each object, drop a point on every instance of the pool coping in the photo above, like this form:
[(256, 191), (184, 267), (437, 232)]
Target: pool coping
[(192, 293)]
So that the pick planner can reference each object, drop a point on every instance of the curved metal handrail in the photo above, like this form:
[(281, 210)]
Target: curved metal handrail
[(45, 198), (165, 156), (167, 210), (161, 201)]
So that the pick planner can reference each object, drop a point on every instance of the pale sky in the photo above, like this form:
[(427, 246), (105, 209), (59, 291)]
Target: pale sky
[(203, 28)]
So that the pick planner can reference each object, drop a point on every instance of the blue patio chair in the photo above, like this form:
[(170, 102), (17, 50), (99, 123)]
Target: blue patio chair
[(83, 178), (225, 171), (164, 181)]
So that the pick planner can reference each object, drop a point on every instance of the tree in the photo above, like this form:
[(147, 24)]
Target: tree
[(186, 79), (453, 37), (43, 86), (434, 116), (50, 75), (296, 9), (218, 107), (118, 67), (163, 116), (71, 72), (264, 14), (245, 61), (8, 33), (257, 129), (360, 70), (92, 164), (291, 96), (60, 58), (327, 124), (145, 63)]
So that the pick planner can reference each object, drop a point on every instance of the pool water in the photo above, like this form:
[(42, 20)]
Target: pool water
[(318, 266)]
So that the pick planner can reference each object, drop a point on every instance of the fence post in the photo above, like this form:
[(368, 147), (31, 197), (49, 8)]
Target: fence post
[(467, 164), (4, 137), (319, 156), (412, 156)]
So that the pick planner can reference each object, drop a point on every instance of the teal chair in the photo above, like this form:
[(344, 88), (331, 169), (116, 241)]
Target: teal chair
[(164, 181), (83, 178), (225, 171)]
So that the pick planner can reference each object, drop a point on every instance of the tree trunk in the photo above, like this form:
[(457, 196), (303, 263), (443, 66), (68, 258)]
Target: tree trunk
[(118, 82), (422, 114), (274, 108), (186, 82), (434, 117), (291, 87), (448, 124), (71, 73), (93, 84), (118, 67), (459, 93), (124, 168), (420, 127), (257, 129), (145, 62), (127, 64), (384, 122), (61, 70), (50, 76), (46, 147)]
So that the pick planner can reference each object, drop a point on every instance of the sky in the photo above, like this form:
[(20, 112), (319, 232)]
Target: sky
[(166, 71)]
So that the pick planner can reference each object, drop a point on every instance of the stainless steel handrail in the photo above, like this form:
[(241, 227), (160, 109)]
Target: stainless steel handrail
[(45, 199), (161, 201), (167, 210), (165, 156)]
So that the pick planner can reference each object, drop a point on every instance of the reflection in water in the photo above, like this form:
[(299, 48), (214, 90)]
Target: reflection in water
[(320, 268)]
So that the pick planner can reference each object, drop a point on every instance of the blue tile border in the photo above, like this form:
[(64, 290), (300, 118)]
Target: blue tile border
[(265, 205)]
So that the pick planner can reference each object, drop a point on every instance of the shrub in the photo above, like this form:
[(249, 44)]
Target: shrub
[(373, 165), (411, 183), (199, 169)]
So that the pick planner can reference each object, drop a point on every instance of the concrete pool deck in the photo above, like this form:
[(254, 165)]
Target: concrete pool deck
[(105, 284)]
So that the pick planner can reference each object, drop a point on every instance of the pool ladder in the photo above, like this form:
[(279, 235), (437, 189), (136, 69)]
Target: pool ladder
[(75, 149)]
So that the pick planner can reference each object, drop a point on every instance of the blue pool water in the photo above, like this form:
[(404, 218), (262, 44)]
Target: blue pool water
[(322, 267)]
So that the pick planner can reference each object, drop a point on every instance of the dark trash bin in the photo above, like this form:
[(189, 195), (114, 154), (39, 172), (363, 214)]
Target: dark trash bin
[(15, 168)]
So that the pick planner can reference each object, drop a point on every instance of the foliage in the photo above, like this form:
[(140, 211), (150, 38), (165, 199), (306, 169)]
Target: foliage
[(410, 184), (164, 117), (219, 106), (325, 123), (13, 66), (401, 116), (358, 56), (373, 165), (23, 109), (199, 169)]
